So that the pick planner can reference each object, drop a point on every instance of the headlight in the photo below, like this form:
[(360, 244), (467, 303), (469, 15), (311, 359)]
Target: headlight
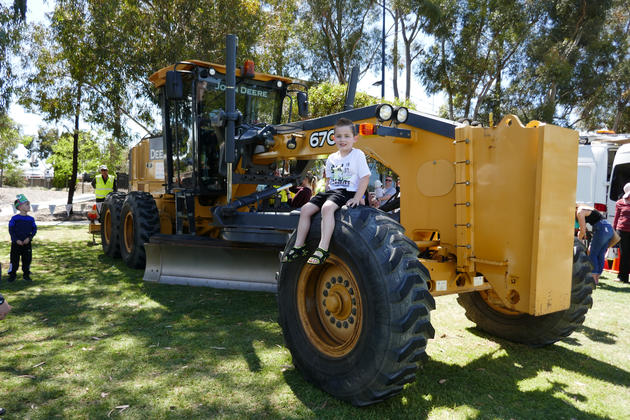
[(279, 84), (384, 112), (212, 71), (401, 114)]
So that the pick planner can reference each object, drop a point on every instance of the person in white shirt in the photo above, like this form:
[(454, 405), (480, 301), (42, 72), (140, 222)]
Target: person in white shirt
[(347, 178), (389, 190)]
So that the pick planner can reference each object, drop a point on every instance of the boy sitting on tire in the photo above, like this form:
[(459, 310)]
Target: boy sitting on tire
[(347, 178)]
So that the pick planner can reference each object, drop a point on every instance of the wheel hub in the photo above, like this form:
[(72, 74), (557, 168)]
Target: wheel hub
[(329, 305)]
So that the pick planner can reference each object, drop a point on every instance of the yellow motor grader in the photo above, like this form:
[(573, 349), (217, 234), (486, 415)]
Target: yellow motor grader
[(485, 212)]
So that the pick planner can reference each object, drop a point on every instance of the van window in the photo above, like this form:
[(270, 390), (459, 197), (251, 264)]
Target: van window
[(620, 177), (611, 157)]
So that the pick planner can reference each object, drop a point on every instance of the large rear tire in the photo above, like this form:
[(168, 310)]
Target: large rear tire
[(357, 325), (536, 330), (139, 221), (110, 223)]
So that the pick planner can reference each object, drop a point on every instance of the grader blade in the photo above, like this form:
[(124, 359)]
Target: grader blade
[(212, 263)]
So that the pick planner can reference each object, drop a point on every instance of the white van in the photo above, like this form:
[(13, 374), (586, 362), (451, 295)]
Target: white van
[(596, 161), (620, 176)]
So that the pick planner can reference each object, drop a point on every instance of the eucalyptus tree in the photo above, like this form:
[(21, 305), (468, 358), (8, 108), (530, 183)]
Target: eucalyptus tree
[(334, 36), (476, 41), (62, 59), (11, 31), (564, 62), (412, 18), (604, 100), (9, 139)]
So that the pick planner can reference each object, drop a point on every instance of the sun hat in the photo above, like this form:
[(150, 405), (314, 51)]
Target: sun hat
[(20, 199), (626, 190), (378, 184), (102, 168)]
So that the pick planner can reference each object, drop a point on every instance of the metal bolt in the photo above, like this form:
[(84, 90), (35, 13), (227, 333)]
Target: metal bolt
[(345, 324), (351, 291), (328, 285), (354, 311), (346, 283), (333, 280), (332, 319), (351, 320), (338, 324), (327, 312), (325, 293)]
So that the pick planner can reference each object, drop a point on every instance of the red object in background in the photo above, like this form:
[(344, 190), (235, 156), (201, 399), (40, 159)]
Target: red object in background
[(600, 207), (248, 69), (92, 215)]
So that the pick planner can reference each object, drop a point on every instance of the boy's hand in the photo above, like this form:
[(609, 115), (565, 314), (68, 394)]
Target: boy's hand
[(353, 202), (5, 308), (19, 242), (26, 241)]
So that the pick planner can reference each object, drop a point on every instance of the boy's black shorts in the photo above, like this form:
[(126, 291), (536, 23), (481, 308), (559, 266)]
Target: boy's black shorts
[(339, 197)]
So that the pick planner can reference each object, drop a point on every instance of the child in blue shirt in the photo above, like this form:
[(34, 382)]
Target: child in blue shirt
[(22, 229)]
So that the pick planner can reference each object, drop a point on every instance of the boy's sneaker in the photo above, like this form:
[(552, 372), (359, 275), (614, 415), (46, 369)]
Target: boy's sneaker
[(27, 277), (11, 278)]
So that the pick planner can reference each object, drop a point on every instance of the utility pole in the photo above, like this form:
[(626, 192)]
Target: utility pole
[(383, 56)]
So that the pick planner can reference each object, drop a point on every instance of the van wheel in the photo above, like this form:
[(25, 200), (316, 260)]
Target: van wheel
[(535, 330), (110, 223), (358, 324), (139, 221)]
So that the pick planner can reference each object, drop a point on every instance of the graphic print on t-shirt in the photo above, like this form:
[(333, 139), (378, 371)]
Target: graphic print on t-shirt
[(340, 175)]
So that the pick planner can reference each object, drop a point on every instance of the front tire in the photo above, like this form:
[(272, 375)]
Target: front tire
[(536, 330), (357, 325), (139, 221), (110, 223)]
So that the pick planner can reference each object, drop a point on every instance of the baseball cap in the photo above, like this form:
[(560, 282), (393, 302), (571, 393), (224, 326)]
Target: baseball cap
[(102, 167), (626, 190), (20, 199), (378, 184)]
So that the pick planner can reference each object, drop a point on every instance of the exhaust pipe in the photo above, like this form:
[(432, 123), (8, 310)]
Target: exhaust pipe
[(230, 106), (352, 88)]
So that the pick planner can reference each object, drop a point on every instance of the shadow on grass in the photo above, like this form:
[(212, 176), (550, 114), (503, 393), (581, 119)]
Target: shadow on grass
[(133, 331), (494, 385), (616, 287), (594, 334), (106, 331)]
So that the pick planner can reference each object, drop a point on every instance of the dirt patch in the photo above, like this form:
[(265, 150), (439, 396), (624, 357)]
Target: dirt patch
[(44, 197)]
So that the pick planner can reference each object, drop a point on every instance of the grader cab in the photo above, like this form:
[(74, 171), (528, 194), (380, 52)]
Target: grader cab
[(485, 213)]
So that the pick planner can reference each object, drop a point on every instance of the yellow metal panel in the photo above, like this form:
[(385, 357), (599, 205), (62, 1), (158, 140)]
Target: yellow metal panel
[(552, 253)]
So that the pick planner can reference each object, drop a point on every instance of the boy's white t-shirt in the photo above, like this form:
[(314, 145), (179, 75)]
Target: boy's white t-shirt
[(345, 172)]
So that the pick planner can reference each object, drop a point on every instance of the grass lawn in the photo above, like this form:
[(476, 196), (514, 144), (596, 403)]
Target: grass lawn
[(89, 339)]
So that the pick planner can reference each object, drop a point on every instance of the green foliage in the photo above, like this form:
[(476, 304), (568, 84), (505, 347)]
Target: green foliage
[(12, 29), (565, 63), (91, 155), (9, 139), (334, 36), (328, 98), (14, 177)]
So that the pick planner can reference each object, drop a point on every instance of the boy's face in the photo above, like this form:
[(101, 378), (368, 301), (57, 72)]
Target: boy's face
[(344, 138), (25, 207)]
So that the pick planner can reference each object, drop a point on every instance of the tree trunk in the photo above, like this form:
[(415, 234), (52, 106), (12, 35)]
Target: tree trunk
[(407, 70), (449, 91), (1, 176), (75, 148)]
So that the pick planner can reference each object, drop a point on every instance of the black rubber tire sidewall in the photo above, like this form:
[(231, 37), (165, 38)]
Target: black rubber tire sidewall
[(537, 330), (360, 377), (146, 222), (112, 204)]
